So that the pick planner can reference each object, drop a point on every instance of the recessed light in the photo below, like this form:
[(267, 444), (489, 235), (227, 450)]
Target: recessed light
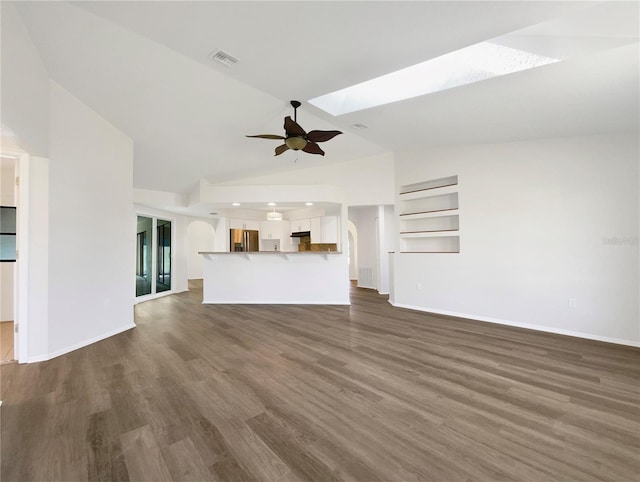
[(308, 204), (235, 204), (271, 204), (214, 214)]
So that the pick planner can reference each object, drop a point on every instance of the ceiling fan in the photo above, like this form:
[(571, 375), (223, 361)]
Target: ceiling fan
[(296, 138)]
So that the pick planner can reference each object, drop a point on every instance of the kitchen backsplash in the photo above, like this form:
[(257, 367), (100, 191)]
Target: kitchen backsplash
[(307, 245)]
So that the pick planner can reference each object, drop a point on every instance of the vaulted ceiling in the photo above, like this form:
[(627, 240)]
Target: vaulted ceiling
[(147, 68)]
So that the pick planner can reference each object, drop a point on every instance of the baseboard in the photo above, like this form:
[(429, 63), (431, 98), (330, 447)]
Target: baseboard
[(271, 302), (79, 345), (155, 296), (367, 287), (528, 326)]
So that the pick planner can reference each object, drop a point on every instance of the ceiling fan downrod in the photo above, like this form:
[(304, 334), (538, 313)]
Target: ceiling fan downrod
[(295, 104)]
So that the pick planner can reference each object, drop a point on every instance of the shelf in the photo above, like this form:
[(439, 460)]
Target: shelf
[(413, 224), (428, 185), (434, 243), (429, 252), (430, 204), (429, 220), (429, 215), (427, 193), (425, 213), (428, 234)]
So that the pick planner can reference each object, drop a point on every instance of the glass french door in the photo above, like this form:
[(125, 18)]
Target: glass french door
[(153, 255), (143, 256), (163, 276)]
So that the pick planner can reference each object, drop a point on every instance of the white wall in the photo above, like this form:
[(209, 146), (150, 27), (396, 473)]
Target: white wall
[(25, 112), (352, 233), (270, 278), (200, 237), (385, 226), (91, 236), (25, 85), (365, 181), (541, 222), (36, 170)]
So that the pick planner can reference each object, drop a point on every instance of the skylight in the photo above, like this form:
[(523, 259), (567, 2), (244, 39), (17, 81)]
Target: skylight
[(471, 64)]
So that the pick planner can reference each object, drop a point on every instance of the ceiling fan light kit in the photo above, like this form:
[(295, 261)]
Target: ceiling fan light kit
[(296, 138), (295, 143)]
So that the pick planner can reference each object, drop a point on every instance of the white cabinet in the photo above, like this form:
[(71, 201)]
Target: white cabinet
[(329, 227), (271, 229), (298, 225), (316, 230), (251, 224), (276, 231), (324, 229)]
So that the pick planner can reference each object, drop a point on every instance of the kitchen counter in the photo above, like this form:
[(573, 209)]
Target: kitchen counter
[(281, 253), (276, 277)]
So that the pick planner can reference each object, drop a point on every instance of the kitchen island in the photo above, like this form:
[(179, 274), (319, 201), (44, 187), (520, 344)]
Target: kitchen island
[(275, 277)]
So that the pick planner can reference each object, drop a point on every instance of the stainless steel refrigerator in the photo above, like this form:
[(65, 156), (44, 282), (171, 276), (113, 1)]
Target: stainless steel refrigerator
[(241, 240)]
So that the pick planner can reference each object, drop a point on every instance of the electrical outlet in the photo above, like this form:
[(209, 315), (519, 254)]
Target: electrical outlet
[(418, 286), (573, 303)]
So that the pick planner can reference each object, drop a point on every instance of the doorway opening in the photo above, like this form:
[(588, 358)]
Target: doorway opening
[(8, 256), (154, 261)]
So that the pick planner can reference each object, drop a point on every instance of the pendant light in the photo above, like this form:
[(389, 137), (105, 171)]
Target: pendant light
[(274, 216)]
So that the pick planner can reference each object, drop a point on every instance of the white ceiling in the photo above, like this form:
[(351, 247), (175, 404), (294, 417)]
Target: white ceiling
[(146, 67)]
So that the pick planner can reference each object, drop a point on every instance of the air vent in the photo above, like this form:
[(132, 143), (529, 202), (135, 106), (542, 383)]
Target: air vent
[(359, 126), (223, 58)]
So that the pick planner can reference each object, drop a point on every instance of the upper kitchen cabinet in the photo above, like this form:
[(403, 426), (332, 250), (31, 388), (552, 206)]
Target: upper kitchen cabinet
[(324, 229), (298, 225), (275, 235), (271, 229), (251, 224)]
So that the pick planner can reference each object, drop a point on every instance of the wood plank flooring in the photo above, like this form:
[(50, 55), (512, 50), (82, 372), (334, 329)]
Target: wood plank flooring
[(6, 341), (365, 392)]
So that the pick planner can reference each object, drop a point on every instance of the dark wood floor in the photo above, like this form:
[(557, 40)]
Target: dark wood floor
[(366, 392)]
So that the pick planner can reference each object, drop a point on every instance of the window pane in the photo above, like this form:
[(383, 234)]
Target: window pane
[(7, 233), (7, 220), (7, 247), (163, 279), (143, 256)]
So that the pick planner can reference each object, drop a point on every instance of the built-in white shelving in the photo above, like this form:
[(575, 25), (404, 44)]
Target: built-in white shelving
[(429, 216)]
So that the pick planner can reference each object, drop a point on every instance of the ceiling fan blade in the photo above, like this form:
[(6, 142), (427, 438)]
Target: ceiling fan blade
[(313, 148), (267, 136), (322, 136), (292, 128), (281, 149)]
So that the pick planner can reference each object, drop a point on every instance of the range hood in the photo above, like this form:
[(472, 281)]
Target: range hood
[(301, 234)]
